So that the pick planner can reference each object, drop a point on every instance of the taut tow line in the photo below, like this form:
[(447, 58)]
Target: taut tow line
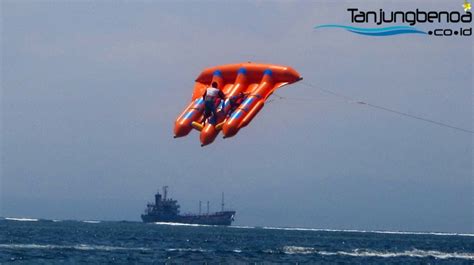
[(352, 100)]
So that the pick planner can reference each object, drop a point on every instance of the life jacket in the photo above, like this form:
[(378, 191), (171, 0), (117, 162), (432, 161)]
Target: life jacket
[(211, 94)]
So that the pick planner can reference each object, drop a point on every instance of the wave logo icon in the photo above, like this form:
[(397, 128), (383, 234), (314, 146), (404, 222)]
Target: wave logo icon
[(387, 31)]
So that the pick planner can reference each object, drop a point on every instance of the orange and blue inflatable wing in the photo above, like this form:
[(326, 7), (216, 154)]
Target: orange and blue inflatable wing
[(254, 81)]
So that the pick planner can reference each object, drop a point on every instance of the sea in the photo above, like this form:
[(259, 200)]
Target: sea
[(37, 241)]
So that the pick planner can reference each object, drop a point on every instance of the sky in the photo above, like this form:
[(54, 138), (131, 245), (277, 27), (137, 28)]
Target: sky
[(90, 91)]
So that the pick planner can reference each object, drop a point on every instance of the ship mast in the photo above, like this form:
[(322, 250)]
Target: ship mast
[(199, 207), (222, 203), (207, 207), (165, 192)]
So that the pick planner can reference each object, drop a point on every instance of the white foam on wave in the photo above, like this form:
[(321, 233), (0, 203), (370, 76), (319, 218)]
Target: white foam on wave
[(21, 219), (91, 222), (415, 253), (242, 227), (326, 230), (186, 250), (181, 224), (199, 225), (420, 233), (299, 250), (367, 231), (74, 247)]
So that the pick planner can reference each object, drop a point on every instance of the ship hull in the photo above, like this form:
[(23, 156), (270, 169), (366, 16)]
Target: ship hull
[(219, 218)]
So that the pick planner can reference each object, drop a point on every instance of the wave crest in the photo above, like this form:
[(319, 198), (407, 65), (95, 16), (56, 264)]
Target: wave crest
[(415, 253), (186, 250), (181, 224), (91, 222), (367, 231), (21, 219), (84, 247)]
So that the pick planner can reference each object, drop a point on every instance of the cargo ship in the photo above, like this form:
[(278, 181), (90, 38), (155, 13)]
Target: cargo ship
[(166, 210)]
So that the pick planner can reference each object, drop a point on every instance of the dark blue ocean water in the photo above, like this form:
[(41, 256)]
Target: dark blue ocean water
[(72, 242)]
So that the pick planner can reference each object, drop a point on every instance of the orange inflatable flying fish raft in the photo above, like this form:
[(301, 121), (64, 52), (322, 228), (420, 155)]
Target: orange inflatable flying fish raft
[(250, 83)]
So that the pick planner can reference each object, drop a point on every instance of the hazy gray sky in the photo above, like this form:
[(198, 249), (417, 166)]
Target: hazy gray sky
[(90, 92)]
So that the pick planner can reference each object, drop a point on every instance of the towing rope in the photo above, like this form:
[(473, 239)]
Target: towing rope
[(352, 100)]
